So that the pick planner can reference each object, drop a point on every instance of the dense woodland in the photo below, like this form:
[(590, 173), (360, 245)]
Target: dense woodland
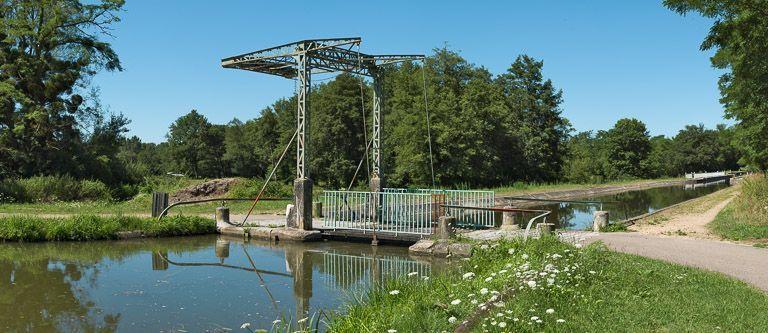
[(487, 129)]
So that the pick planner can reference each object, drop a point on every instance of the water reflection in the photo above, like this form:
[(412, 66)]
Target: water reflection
[(184, 284), (622, 205)]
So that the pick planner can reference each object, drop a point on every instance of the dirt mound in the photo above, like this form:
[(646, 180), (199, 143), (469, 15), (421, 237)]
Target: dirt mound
[(210, 189)]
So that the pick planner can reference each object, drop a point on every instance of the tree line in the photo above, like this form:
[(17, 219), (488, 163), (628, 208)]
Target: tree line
[(485, 129)]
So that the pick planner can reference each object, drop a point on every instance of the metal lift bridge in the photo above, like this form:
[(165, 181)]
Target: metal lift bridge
[(299, 61)]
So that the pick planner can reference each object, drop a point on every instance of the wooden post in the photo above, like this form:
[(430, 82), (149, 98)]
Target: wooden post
[(159, 203)]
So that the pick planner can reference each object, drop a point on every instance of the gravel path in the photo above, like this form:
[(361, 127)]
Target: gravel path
[(744, 262)]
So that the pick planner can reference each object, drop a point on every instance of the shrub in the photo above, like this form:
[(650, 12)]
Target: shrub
[(52, 188), (94, 190)]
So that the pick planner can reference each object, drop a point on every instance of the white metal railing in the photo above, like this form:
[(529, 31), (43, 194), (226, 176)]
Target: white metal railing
[(473, 198), (346, 271), (412, 213)]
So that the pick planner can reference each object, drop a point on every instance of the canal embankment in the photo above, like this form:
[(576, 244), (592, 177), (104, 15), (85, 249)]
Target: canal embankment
[(26, 228)]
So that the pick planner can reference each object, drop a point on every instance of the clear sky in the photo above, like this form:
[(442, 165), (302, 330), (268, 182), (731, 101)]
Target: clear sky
[(612, 59)]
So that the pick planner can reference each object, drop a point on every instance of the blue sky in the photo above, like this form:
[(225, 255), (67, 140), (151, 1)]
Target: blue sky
[(613, 59)]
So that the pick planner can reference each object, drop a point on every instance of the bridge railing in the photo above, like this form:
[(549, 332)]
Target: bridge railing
[(412, 213), (474, 198)]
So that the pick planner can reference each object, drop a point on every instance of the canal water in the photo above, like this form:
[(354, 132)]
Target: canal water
[(189, 284), (578, 216)]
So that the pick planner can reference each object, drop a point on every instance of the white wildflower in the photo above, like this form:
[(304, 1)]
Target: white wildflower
[(394, 292), (455, 302), (525, 256), (483, 291), (561, 320), (550, 311), (245, 325), (391, 331), (276, 321), (534, 318), (502, 324), (532, 284), (488, 279), (468, 275), (592, 272), (413, 274), (511, 251), (452, 319)]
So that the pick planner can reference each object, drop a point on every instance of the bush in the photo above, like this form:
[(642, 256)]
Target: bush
[(51, 189), (94, 190)]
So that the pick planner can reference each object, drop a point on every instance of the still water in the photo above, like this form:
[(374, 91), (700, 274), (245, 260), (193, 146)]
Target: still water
[(621, 206), (190, 284)]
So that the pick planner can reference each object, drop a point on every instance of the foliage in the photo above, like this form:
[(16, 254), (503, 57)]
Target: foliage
[(739, 36), (249, 188), (92, 227), (627, 146), (196, 146), (53, 188), (585, 290), (48, 51), (746, 217)]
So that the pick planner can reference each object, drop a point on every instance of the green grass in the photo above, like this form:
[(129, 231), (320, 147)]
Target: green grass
[(520, 187), (139, 205), (91, 227), (746, 217), (602, 291)]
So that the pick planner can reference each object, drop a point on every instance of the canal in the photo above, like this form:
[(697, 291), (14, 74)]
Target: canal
[(578, 216), (189, 284)]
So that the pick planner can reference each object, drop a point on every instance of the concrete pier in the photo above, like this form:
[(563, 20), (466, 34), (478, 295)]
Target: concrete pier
[(600, 220), (302, 199)]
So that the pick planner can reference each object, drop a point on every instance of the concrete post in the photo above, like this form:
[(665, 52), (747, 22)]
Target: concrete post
[(546, 228), (317, 209), (290, 216), (159, 203), (222, 217), (302, 199), (444, 229), (600, 221), (509, 220)]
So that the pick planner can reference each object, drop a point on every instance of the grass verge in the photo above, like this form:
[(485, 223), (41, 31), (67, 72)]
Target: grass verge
[(746, 217), (549, 286), (91, 227), (526, 188)]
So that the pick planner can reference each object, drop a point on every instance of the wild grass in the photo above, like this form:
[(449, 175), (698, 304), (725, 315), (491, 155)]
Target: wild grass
[(746, 217), (52, 188), (522, 187), (549, 286), (92, 227)]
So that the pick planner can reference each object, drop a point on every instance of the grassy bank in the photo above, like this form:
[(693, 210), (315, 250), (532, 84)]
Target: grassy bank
[(91, 227), (746, 217), (548, 286), (525, 188)]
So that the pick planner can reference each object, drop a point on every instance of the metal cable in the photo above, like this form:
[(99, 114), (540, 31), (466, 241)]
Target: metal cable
[(429, 127), (264, 187)]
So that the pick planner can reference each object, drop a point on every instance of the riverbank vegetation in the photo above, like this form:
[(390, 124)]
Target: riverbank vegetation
[(746, 217), (488, 129), (548, 286), (93, 227)]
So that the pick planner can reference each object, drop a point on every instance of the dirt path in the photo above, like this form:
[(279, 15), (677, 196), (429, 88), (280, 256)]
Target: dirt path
[(744, 262), (690, 218)]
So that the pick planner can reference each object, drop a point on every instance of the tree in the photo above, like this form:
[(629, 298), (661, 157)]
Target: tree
[(534, 105), (627, 145), (195, 145), (48, 48), (584, 152), (740, 38)]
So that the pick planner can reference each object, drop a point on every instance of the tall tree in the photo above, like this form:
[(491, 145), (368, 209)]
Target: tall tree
[(48, 49), (740, 38), (195, 145), (535, 102), (627, 145)]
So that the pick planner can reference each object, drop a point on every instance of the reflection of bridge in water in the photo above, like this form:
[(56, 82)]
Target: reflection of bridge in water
[(337, 269), (350, 271)]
